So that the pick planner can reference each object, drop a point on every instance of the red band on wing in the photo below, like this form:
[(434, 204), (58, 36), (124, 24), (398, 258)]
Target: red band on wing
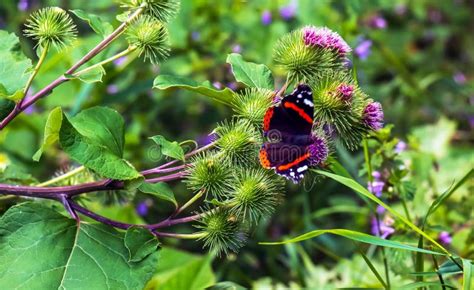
[(300, 111), (264, 159), (291, 164), (267, 118)]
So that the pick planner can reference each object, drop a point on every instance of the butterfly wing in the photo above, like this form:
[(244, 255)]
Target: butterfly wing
[(293, 115)]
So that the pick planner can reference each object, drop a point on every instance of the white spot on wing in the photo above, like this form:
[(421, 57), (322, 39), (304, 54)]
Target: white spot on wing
[(308, 102), (302, 168), (300, 96)]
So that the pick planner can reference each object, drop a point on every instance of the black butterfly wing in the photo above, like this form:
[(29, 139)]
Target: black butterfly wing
[(293, 115), (288, 160)]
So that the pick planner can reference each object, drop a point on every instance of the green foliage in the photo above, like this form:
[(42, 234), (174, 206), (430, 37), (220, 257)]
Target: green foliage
[(15, 68), (96, 23), (168, 148), (160, 190), (51, 131), (47, 250), (251, 74)]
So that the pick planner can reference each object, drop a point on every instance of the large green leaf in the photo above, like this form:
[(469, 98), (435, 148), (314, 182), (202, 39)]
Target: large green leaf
[(356, 236), (51, 131), (351, 183), (140, 243), (160, 190), (249, 73), (42, 249), (164, 82), (103, 125), (15, 67), (97, 24), (180, 270), (468, 277), (89, 151), (169, 148)]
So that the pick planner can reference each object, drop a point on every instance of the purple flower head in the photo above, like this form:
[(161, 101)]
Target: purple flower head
[(378, 22), (373, 116), (236, 48), (23, 5), (346, 91), (445, 238), (459, 78), (266, 17), (400, 147), (376, 187), (325, 38), (142, 208), (287, 12), (232, 85), (380, 209), (376, 175), (385, 227), (318, 151), (363, 49), (119, 61), (112, 89), (217, 85)]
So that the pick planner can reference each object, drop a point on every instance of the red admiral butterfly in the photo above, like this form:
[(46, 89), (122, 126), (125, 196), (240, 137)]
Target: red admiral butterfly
[(291, 147)]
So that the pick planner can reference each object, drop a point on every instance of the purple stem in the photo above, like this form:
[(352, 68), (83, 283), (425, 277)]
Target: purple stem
[(170, 177), (164, 170)]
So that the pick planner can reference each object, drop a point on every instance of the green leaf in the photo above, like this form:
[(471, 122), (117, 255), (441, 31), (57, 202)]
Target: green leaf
[(51, 131), (227, 285), (103, 125), (249, 73), (97, 24), (93, 75), (180, 270), (351, 183), (468, 278), (92, 154), (46, 250), (356, 236), (140, 243), (6, 106), (15, 67), (164, 82), (425, 285), (168, 148), (161, 190)]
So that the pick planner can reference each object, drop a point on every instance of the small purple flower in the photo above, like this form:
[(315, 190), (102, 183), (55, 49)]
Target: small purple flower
[(236, 48), (195, 35), (376, 187), (378, 22), (363, 49), (23, 5), (445, 238), (266, 17), (232, 85), (287, 12), (217, 85), (142, 208), (30, 110), (385, 227), (346, 91), (112, 89), (373, 116), (459, 78), (400, 147), (376, 175), (380, 209), (325, 38), (119, 61), (318, 151)]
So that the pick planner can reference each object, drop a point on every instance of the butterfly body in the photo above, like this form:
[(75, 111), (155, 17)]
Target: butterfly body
[(290, 147)]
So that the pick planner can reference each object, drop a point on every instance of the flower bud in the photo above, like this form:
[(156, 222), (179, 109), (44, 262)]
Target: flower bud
[(150, 38), (252, 104), (51, 26), (161, 10), (373, 115)]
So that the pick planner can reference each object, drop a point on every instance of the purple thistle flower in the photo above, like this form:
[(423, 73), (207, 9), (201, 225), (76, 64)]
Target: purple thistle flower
[(378, 22), (400, 147), (23, 5), (325, 38), (318, 151), (385, 227), (142, 208), (459, 78), (266, 17), (376, 187), (373, 116), (346, 91), (445, 238), (287, 12), (363, 49)]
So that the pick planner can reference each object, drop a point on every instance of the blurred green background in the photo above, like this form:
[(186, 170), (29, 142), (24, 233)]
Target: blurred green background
[(415, 57)]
